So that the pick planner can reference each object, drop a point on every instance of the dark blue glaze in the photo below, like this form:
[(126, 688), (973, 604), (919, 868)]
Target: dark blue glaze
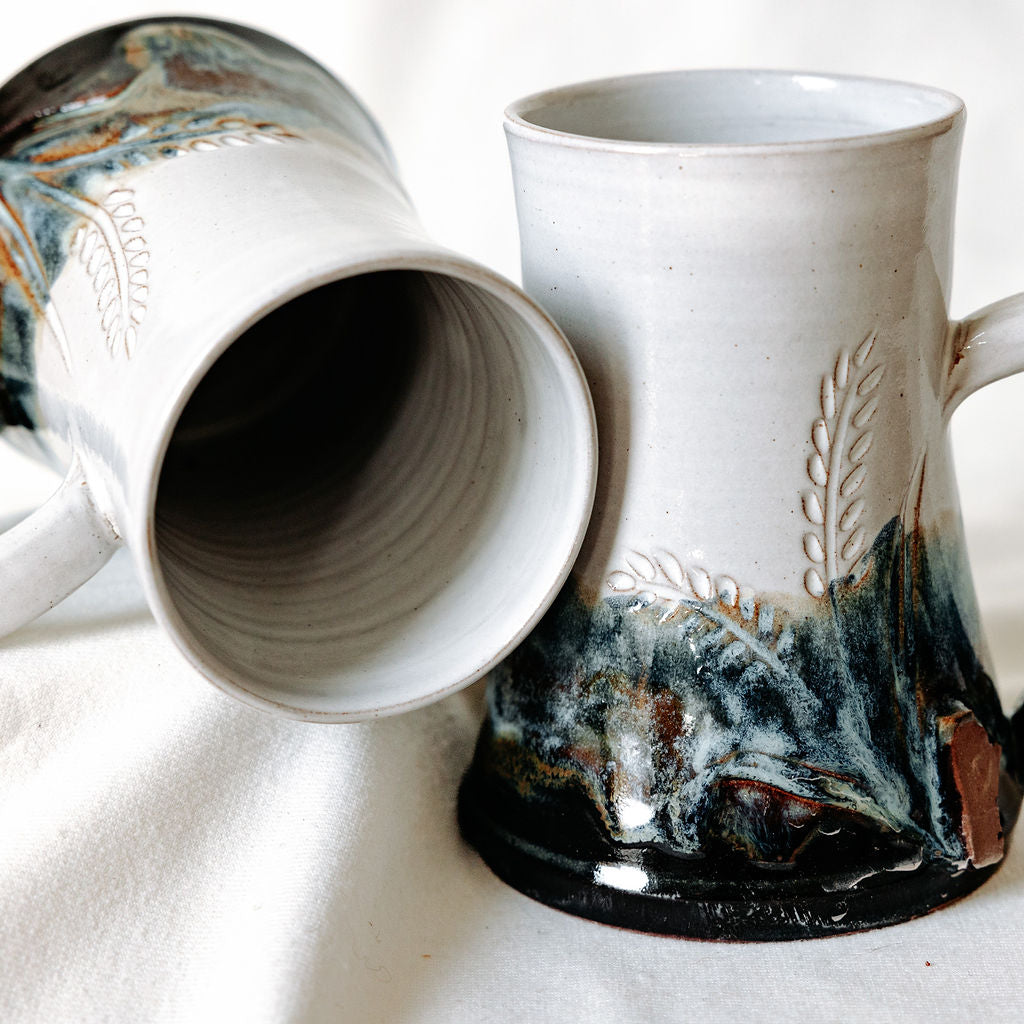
[(117, 99), (815, 743)]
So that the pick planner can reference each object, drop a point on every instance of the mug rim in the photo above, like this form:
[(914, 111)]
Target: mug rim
[(518, 123), (578, 406), (27, 115)]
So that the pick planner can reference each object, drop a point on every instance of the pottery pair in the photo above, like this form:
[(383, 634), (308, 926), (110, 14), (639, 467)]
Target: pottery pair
[(355, 469)]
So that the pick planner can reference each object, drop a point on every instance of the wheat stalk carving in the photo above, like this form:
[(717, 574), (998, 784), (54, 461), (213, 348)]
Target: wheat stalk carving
[(111, 247), (108, 240), (714, 611), (841, 438), (140, 140)]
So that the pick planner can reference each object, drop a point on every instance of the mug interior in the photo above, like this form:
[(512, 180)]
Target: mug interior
[(734, 108), (364, 498)]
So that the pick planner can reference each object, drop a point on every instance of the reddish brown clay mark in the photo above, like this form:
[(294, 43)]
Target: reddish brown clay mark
[(183, 75), (523, 769), (136, 53), (585, 757), (765, 822), (100, 137), (667, 712), (960, 344), (10, 271), (102, 91), (974, 761)]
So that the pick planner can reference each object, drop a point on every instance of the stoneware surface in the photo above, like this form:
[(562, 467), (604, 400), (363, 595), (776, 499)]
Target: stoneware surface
[(759, 708), (352, 467), (172, 855)]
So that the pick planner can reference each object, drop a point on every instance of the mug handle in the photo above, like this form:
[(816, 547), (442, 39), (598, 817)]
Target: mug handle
[(52, 552), (985, 347)]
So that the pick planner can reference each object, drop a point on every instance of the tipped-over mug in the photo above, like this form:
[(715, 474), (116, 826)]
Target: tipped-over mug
[(352, 467)]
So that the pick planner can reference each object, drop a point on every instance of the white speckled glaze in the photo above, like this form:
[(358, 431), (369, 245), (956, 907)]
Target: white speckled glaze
[(760, 709), (754, 268), (352, 467)]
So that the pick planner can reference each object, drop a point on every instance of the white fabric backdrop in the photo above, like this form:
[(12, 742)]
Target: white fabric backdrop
[(167, 855)]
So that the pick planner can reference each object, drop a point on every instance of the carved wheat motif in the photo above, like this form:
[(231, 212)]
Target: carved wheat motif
[(112, 248), (663, 577), (716, 613), (117, 120), (841, 439), (109, 240), (141, 141)]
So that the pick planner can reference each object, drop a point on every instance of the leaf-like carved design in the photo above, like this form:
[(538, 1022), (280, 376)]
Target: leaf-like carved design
[(817, 470), (621, 582), (140, 139), (842, 374), (700, 583), (836, 466), (860, 357), (111, 247), (642, 566), (851, 483), (720, 618), (160, 91), (671, 568), (812, 508), (863, 415), (855, 545), (860, 447), (848, 520), (813, 548), (664, 576), (819, 435), (828, 397), (813, 583), (728, 591), (108, 238), (870, 382)]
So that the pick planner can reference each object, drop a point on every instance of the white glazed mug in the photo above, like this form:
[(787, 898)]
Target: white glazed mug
[(761, 709), (352, 467)]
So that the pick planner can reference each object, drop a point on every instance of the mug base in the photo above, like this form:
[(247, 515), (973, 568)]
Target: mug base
[(559, 855)]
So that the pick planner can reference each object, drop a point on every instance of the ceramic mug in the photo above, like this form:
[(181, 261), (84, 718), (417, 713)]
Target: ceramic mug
[(761, 708), (352, 467)]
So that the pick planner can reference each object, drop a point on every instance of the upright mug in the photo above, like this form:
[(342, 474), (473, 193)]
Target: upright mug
[(352, 467), (760, 708)]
